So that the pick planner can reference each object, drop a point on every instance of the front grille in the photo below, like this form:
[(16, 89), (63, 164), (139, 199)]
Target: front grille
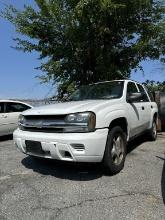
[(44, 123), (45, 117), (46, 130)]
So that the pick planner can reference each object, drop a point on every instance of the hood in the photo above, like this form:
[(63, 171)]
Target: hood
[(71, 107)]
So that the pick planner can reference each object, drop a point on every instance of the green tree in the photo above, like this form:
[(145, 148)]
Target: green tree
[(86, 41), (155, 86)]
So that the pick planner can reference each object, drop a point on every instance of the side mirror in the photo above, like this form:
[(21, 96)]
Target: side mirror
[(134, 97)]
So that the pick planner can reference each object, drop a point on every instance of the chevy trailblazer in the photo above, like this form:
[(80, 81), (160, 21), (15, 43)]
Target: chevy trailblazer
[(94, 125)]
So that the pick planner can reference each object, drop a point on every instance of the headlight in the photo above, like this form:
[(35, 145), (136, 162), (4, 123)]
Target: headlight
[(80, 122)]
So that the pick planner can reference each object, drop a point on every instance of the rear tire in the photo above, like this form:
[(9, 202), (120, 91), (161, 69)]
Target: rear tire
[(115, 151), (153, 131)]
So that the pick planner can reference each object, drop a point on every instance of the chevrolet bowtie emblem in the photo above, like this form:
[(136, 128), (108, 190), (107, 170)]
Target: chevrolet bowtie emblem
[(39, 124)]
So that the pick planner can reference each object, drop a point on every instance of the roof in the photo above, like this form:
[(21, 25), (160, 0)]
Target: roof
[(9, 100), (119, 80)]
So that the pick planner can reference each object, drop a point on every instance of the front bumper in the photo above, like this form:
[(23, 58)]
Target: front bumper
[(79, 147)]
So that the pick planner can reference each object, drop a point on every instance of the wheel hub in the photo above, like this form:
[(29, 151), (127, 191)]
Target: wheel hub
[(154, 129), (117, 151)]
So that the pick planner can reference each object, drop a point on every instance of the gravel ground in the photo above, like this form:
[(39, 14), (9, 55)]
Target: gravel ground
[(31, 189)]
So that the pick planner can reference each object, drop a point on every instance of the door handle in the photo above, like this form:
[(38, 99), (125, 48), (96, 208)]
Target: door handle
[(143, 108)]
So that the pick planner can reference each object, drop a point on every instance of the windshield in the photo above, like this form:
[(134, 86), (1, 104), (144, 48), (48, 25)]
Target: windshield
[(106, 90)]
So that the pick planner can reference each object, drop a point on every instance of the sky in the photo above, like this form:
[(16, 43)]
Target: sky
[(17, 69)]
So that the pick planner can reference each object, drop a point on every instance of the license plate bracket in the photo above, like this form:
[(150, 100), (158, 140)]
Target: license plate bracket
[(34, 147)]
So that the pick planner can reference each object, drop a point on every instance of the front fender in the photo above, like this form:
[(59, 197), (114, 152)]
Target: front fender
[(113, 115), (104, 119)]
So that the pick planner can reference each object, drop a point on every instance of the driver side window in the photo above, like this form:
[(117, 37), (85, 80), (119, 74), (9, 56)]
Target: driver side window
[(131, 88)]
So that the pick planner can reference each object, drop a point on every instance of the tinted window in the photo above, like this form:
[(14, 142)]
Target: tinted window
[(16, 107), (106, 90), (151, 95), (145, 97), (1, 107), (131, 88)]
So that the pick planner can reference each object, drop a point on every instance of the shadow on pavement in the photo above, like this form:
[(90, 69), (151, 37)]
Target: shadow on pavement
[(72, 170), (163, 179), (6, 138), (64, 170), (132, 145)]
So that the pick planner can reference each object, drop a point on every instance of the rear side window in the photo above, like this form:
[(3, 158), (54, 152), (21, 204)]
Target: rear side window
[(1, 107), (16, 107), (145, 97), (151, 95)]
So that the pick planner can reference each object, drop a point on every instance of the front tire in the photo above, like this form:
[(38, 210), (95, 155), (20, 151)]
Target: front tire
[(115, 151)]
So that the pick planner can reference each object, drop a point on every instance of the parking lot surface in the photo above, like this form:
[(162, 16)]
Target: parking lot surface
[(31, 189)]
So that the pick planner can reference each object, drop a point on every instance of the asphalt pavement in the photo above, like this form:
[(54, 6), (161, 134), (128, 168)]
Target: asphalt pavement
[(32, 189)]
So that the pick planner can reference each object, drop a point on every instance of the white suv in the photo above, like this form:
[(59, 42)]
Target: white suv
[(93, 126)]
